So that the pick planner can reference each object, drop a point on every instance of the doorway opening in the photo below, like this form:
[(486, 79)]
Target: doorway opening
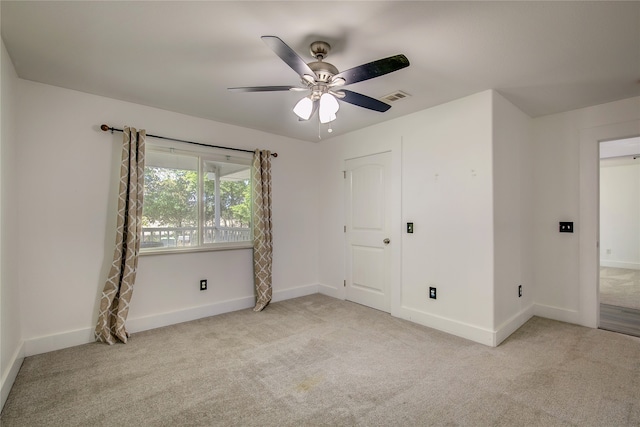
[(619, 236)]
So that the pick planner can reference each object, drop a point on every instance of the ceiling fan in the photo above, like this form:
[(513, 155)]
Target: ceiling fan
[(325, 81)]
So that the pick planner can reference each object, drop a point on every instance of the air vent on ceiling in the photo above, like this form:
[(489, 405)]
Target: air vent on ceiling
[(395, 96)]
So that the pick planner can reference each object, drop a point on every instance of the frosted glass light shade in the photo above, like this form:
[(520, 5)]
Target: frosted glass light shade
[(304, 108), (328, 108), (327, 118)]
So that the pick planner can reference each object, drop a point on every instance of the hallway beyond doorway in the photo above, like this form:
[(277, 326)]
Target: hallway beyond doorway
[(620, 300)]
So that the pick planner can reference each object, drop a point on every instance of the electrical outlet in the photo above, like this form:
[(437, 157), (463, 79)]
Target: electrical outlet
[(203, 284), (432, 292), (565, 227), (519, 291)]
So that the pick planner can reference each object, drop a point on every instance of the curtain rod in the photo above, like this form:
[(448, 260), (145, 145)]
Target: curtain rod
[(112, 129)]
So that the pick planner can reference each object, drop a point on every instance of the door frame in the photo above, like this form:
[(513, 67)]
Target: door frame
[(589, 225), (395, 200)]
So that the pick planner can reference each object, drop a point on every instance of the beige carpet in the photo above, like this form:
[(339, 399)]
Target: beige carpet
[(318, 361), (620, 287)]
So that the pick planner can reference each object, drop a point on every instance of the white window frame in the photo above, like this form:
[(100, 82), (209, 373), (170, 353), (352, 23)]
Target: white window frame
[(203, 155)]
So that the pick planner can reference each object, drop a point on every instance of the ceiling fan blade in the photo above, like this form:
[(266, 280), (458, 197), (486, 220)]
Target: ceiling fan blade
[(263, 88), (374, 69), (288, 55), (364, 101)]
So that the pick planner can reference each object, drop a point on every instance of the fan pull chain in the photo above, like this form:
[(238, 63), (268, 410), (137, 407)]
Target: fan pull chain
[(329, 129)]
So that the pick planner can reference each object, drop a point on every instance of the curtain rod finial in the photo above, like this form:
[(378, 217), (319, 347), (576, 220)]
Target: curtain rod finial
[(275, 154), (104, 128)]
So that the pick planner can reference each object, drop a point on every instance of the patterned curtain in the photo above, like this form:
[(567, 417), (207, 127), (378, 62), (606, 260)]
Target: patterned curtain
[(114, 305), (262, 238)]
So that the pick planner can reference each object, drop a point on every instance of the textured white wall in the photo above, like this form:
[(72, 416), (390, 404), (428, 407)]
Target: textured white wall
[(11, 352), (446, 190), (620, 214), (512, 185), (565, 161), (67, 182), (447, 193)]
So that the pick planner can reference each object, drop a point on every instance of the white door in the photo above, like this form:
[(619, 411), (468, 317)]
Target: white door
[(368, 231)]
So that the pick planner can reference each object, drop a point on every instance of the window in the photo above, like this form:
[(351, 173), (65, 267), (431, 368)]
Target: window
[(195, 201)]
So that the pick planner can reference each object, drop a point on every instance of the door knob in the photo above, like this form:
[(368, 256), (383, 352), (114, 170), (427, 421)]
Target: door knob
[(386, 241)]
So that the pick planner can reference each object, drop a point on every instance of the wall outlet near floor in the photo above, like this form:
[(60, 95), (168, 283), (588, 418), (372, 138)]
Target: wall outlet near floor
[(566, 227), (519, 291), (203, 284), (432, 292)]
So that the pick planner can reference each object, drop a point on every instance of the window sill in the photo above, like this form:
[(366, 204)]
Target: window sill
[(212, 248)]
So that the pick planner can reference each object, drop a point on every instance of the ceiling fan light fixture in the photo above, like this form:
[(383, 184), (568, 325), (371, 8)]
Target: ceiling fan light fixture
[(328, 108), (322, 77), (304, 108), (327, 118)]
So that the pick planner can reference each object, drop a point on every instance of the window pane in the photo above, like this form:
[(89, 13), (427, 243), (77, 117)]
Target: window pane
[(227, 202), (179, 204), (170, 207)]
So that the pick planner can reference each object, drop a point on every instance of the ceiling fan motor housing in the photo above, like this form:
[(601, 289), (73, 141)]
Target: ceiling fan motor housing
[(323, 70), (320, 50)]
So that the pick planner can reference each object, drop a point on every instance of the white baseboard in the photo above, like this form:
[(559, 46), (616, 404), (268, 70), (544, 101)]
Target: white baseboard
[(330, 291), (300, 291), (58, 341), (468, 331), (619, 264), (556, 313), (186, 315), (513, 324), (453, 327), (9, 377), (83, 336)]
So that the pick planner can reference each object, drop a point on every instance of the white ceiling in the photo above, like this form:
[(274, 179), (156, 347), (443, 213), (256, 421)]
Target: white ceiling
[(545, 57)]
